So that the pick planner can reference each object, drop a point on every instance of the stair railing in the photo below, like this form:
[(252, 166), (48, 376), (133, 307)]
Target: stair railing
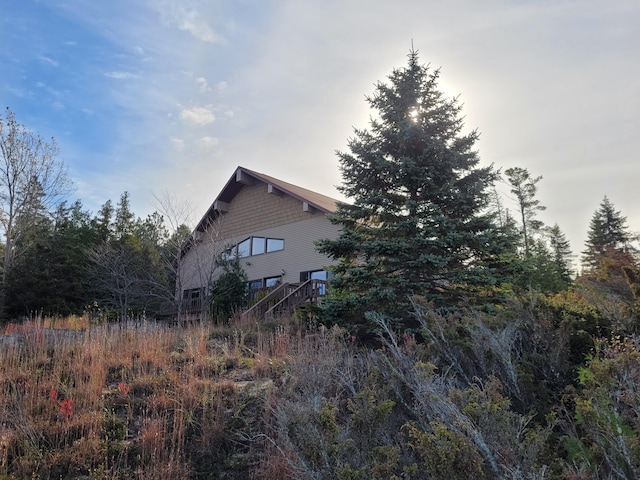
[(308, 292)]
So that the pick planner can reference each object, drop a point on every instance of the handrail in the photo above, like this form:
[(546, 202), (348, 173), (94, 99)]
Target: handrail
[(259, 308), (308, 291)]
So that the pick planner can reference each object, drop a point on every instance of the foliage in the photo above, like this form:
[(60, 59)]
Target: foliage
[(561, 255), (608, 235), (611, 289), (544, 257), (606, 420), (546, 267), (229, 290), (114, 262), (524, 187), (469, 396), (54, 253), (417, 224), (32, 179)]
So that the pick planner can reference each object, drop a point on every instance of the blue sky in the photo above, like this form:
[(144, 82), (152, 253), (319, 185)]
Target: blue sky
[(167, 97)]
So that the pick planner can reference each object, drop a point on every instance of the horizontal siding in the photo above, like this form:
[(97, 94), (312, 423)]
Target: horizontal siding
[(299, 252), (253, 208)]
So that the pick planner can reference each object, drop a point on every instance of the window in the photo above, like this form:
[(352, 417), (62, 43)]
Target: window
[(244, 248), (274, 244), (272, 281), (257, 245), (317, 275), (191, 293), (253, 246), (230, 253)]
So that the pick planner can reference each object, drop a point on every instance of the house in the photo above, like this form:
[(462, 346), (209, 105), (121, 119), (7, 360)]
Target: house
[(270, 226)]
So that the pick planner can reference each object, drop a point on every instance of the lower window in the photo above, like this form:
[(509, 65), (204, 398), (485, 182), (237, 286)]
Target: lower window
[(272, 281)]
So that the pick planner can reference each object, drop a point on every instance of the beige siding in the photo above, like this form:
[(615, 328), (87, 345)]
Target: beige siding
[(298, 229), (254, 209), (299, 252), (197, 268)]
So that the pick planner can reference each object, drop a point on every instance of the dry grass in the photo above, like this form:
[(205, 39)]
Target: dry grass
[(245, 400), (125, 401)]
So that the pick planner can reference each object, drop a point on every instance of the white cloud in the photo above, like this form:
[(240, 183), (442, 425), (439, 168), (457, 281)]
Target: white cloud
[(178, 143), (204, 86), (17, 92), (121, 75), (193, 24), (221, 87), (188, 20), (48, 60), (208, 143), (198, 115), (229, 114)]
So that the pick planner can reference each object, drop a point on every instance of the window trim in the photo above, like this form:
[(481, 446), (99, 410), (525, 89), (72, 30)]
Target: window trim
[(234, 251), (267, 250)]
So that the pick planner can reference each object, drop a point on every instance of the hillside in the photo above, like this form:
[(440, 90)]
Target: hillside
[(468, 396)]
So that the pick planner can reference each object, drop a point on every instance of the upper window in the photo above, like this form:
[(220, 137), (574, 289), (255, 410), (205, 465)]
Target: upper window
[(253, 246), (274, 244), (230, 253), (244, 248), (257, 245)]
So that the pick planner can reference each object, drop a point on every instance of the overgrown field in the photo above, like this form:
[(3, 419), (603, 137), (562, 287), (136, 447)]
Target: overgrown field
[(465, 397)]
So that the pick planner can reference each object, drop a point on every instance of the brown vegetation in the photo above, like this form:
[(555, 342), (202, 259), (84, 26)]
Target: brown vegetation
[(474, 397)]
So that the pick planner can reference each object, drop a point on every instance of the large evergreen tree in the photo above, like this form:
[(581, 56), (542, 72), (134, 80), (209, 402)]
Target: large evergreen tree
[(418, 223)]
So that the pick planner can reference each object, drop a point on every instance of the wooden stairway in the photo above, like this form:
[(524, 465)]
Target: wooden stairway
[(286, 298)]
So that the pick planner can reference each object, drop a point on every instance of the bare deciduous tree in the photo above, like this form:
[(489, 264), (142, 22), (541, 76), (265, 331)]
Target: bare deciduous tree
[(195, 253), (31, 178)]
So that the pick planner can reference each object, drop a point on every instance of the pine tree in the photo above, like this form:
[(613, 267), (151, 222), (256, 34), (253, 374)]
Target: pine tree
[(51, 275), (31, 179), (608, 235), (125, 219), (418, 223), (524, 187), (103, 223), (560, 253), (547, 268)]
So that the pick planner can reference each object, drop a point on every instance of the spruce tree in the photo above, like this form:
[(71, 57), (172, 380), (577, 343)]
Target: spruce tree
[(561, 254), (608, 235), (418, 223)]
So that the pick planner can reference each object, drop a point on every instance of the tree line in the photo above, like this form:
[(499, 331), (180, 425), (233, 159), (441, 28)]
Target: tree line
[(424, 219), (112, 264)]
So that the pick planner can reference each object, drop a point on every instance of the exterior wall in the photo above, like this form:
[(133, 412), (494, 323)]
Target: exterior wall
[(254, 212), (197, 268), (299, 254), (253, 209)]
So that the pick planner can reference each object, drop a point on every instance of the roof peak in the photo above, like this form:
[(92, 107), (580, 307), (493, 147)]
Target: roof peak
[(243, 176)]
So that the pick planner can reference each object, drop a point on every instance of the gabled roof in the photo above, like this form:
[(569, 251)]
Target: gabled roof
[(244, 176)]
